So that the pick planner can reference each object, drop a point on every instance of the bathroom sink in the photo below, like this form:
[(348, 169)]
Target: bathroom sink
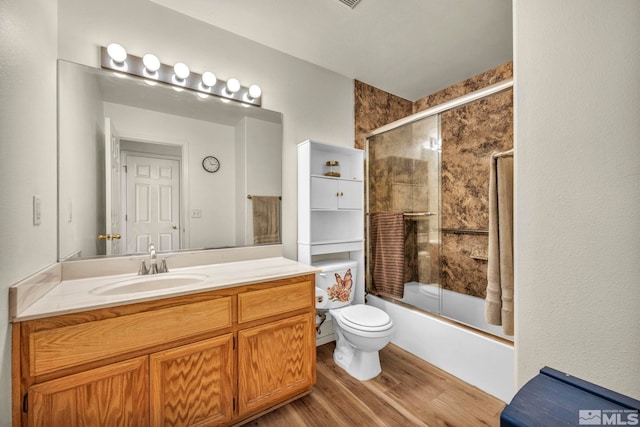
[(149, 283)]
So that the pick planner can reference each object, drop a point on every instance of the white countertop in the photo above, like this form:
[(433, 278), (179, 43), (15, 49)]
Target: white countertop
[(71, 296)]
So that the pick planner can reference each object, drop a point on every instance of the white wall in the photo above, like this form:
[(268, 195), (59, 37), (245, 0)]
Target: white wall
[(577, 188), (315, 102), (211, 193), (81, 154), (27, 155)]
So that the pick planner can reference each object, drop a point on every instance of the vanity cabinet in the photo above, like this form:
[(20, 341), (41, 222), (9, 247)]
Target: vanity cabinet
[(107, 396), (271, 362), (193, 384), (213, 358)]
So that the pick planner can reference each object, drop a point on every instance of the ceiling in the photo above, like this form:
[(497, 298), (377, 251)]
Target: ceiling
[(410, 48)]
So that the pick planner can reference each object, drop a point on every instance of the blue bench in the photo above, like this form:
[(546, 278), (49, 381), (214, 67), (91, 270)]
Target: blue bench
[(554, 399)]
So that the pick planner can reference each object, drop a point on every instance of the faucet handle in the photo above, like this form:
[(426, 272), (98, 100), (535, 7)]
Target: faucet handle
[(163, 266), (143, 269)]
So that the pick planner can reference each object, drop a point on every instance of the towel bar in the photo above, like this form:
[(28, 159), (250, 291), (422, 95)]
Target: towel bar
[(250, 196), (463, 231), (408, 213)]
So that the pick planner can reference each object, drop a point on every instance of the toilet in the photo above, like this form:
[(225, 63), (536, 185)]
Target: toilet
[(361, 330)]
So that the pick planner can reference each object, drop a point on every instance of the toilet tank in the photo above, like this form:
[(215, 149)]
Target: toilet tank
[(336, 283)]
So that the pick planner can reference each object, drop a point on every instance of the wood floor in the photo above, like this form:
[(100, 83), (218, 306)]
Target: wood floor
[(409, 392)]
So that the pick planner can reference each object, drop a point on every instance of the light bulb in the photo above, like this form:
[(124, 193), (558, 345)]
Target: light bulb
[(255, 91), (233, 85), (182, 70), (208, 79), (151, 62), (117, 53)]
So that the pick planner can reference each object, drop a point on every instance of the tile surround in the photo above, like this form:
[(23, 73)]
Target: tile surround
[(373, 108)]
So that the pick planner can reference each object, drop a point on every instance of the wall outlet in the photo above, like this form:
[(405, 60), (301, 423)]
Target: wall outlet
[(36, 210), (196, 213)]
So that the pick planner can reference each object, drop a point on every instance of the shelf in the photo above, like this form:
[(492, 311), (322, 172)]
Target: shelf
[(336, 210), (334, 242), (329, 248), (331, 209), (336, 178)]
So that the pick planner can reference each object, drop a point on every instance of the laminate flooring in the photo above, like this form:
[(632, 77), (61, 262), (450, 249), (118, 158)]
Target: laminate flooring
[(408, 392)]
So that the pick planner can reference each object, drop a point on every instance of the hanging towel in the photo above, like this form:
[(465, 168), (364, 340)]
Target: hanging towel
[(387, 253), (266, 219), (499, 300)]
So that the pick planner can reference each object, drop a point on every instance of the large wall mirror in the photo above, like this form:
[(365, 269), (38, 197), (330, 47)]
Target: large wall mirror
[(141, 162)]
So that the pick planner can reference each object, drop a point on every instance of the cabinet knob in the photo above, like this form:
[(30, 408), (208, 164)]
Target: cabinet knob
[(337, 194), (341, 193)]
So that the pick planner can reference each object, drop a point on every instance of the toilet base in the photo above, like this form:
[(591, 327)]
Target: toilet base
[(362, 365)]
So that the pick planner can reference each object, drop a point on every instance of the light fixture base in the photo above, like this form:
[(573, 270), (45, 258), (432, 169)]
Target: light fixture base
[(165, 74)]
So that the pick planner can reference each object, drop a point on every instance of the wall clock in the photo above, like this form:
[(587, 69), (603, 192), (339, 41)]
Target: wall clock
[(211, 164)]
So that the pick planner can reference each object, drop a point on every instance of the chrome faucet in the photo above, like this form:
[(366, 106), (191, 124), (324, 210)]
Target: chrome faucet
[(153, 264)]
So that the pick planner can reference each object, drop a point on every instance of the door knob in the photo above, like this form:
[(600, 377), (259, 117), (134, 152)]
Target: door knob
[(175, 227), (116, 236), (104, 237)]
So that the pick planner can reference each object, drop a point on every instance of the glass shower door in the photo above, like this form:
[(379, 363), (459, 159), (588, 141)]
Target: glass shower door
[(403, 221)]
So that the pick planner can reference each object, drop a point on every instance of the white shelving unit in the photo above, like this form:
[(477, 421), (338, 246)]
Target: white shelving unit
[(331, 209)]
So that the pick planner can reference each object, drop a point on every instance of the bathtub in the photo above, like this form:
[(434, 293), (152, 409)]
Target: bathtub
[(463, 308), (475, 358)]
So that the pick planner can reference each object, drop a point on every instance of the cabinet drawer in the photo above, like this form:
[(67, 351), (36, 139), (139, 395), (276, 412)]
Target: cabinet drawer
[(87, 342), (255, 305)]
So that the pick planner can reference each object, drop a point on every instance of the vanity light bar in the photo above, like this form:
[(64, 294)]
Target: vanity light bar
[(179, 76)]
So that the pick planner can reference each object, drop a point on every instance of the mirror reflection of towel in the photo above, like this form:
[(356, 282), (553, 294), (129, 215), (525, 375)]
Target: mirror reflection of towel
[(266, 219)]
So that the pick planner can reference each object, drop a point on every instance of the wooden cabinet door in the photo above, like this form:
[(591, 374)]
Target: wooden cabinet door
[(113, 395), (275, 361), (193, 385)]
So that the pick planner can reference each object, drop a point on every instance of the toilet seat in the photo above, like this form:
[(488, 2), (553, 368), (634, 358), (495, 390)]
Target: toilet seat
[(365, 318)]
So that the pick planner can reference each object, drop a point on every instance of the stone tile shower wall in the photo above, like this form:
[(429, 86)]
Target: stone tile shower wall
[(469, 135), (374, 108)]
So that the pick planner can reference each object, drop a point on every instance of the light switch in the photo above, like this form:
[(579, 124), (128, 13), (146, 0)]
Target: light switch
[(36, 210), (196, 213)]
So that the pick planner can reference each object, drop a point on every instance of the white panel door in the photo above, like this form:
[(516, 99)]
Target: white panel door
[(351, 195), (324, 193), (112, 188), (153, 204)]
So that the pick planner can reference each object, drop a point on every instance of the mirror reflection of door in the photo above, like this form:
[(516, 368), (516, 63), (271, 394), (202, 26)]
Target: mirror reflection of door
[(112, 189), (152, 202)]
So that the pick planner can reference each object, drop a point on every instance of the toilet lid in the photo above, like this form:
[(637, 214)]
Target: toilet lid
[(365, 317)]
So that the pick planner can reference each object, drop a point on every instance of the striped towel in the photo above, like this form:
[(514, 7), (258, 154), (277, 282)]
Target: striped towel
[(387, 253)]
